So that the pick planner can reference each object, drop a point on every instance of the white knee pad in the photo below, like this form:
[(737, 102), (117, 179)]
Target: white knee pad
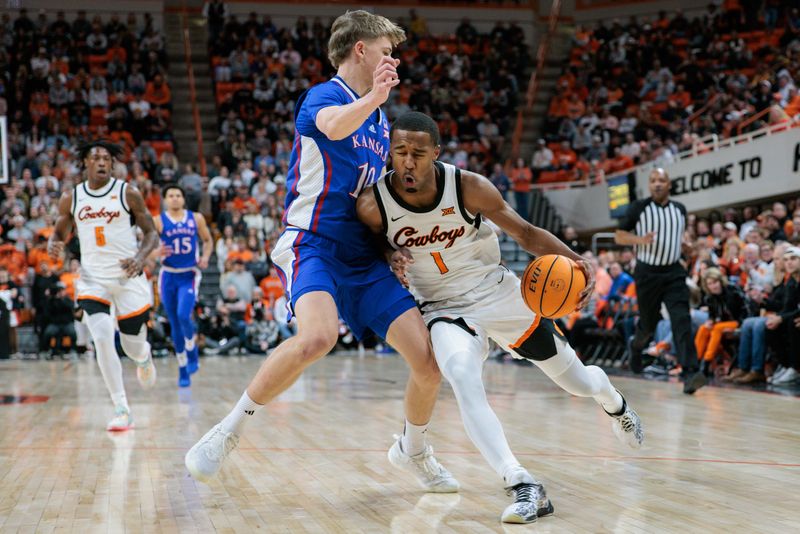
[(136, 347)]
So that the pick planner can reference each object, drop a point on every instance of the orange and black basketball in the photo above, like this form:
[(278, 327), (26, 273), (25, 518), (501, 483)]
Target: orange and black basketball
[(551, 286)]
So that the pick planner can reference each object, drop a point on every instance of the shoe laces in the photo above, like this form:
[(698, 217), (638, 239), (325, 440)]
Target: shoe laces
[(229, 442), (428, 465), (524, 492)]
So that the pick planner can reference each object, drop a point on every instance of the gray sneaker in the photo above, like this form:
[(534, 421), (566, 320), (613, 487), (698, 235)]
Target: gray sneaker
[(530, 499), (204, 460)]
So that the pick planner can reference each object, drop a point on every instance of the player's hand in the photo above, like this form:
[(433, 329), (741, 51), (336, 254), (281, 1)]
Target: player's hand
[(202, 263), (132, 266), (588, 273), (384, 78), (55, 249), (400, 261), (648, 238), (797, 322), (774, 321), (166, 250)]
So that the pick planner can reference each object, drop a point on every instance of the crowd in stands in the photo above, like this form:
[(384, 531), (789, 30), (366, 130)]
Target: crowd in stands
[(62, 81), (744, 285), (646, 90)]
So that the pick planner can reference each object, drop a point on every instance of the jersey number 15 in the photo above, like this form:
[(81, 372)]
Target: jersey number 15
[(182, 245)]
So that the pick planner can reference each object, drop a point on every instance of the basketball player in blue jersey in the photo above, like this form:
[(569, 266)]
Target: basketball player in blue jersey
[(179, 279), (327, 259)]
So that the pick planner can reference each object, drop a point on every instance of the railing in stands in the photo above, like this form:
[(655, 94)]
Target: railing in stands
[(187, 50), (533, 83), (751, 120), (703, 109), (701, 146)]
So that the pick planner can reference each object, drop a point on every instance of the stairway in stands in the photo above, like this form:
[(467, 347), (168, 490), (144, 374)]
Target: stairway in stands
[(182, 117), (542, 213)]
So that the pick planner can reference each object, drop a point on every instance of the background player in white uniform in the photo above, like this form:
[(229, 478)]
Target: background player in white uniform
[(431, 213), (105, 211)]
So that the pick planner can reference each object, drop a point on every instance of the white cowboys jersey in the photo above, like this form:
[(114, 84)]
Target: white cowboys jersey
[(105, 229), (453, 252)]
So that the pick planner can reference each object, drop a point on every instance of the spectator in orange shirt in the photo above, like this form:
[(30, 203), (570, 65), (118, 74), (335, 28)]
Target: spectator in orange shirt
[(14, 261), (157, 92), (575, 107), (271, 286), (620, 161), (38, 256), (565, 157), (558, 106), (521, 178), (70, 278)]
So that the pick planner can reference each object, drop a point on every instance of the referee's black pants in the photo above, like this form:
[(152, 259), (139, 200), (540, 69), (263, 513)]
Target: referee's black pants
[(657, 284)]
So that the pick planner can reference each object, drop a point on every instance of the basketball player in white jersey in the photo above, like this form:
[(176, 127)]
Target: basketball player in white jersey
[(105, 211), (432, 213)]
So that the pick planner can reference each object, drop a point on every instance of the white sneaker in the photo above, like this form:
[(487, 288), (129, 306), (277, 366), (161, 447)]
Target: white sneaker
[(628, 427), (788, 377), (146, 373), (777, 374), (122, 420), (433, 477), (530, 499), (204, 460)]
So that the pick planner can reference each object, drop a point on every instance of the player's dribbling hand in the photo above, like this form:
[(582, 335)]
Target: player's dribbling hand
[(588, 273), (132, 267), (399, 263), (55, 249), (384, 78)]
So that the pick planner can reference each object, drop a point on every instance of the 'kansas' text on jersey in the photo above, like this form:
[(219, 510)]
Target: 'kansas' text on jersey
[(181, 238), (325, 176)]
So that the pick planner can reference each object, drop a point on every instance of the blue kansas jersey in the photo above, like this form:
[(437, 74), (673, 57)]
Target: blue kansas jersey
[(181, 238), (326, 177)]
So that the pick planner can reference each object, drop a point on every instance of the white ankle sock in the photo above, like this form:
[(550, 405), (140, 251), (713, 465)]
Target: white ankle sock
[(414, 440), (241, 413)]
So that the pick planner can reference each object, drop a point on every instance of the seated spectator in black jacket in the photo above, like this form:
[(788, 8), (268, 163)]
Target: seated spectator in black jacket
[(60, 316), (726, 309), (787, 322)]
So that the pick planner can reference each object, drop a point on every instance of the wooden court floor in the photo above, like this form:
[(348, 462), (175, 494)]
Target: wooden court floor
[(315, 461)]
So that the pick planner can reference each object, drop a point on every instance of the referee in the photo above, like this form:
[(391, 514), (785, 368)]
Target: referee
[(655, 226)]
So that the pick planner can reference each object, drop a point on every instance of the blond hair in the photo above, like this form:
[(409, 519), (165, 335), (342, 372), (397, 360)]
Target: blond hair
[(713, 272), (356, 26)]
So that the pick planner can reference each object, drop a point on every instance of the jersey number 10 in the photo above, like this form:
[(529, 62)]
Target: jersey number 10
[(366, 176)]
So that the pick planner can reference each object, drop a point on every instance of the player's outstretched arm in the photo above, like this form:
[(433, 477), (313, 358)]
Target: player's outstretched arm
[(135, 201), (337, 122), (369, 213), (481, 196), (205, 238), (63, 226)]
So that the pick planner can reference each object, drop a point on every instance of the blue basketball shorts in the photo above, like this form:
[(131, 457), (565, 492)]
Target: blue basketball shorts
[(367, 293)]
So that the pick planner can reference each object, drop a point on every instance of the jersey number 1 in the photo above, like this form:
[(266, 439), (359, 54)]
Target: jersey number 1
[(437, 257), (99, 236)]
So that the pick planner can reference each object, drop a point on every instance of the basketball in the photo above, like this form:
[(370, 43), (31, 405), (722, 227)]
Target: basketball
[(551, 286)]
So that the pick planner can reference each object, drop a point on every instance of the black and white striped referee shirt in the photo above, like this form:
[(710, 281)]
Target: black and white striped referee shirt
[(667, 221)]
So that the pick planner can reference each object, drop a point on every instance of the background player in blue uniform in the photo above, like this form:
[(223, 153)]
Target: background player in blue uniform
[(179, 279), (327, 259)]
